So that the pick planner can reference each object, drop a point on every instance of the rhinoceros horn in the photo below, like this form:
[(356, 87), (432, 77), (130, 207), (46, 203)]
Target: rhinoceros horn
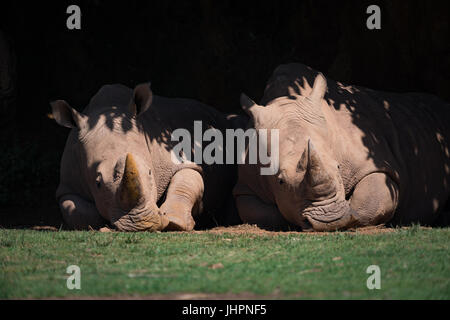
[(130, 190), (332, 216), (319, 180)]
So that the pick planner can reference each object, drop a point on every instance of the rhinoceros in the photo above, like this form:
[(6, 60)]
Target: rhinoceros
[(117, 167), (348, 156)]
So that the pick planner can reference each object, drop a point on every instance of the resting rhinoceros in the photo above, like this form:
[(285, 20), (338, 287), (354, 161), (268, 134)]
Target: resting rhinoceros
[(117, 166), (348, 156)]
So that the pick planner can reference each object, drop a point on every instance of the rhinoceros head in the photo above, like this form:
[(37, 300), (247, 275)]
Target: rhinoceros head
[(114, 161), (308, 187)]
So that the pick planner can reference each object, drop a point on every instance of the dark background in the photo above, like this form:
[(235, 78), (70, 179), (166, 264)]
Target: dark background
[(207, 50)]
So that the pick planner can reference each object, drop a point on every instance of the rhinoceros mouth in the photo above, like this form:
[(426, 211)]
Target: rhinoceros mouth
[(328, 212), (337, 215), (142, 219)]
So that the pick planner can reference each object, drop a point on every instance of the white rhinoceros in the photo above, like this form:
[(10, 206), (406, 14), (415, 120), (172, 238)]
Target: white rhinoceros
[(117, 166), (348, 156)]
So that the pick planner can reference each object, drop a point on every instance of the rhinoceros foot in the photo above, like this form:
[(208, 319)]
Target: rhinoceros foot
[(180, 219)]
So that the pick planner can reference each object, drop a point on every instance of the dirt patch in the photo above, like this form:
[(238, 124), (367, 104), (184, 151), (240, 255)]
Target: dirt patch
[(254, 230), (44, 228), (372, 230), (244, 229)]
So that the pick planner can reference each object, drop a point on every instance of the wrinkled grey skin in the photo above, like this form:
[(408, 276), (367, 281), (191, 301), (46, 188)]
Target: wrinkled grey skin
[(349, 156), (117, 169)]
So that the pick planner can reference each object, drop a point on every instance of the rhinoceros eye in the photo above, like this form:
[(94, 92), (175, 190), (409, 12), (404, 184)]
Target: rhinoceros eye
[(98, 180)]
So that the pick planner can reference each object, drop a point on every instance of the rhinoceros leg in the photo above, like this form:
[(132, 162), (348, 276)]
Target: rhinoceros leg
[(80, 214), (253, 211), (183, 199), (375, 199)]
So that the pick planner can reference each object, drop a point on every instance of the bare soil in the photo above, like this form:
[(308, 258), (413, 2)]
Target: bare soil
[(254, 230)]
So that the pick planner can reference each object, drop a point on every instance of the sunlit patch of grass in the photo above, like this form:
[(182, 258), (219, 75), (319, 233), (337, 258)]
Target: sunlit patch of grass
[(413, 263)]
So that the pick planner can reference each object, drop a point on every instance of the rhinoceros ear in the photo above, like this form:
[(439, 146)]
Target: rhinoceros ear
[(142, 99), (319, 88), (67, 116), (250, 107)]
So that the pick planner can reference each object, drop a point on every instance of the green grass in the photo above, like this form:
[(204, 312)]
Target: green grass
[(414, 264)]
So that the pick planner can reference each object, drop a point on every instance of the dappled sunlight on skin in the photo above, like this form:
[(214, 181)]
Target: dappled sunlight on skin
[(407, 125), (403, 136), (115, 117), (109, 98), (121, 147)]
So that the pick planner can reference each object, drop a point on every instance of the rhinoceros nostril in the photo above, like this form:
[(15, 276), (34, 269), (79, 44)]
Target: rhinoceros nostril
[(281, 177), (98, 180)]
